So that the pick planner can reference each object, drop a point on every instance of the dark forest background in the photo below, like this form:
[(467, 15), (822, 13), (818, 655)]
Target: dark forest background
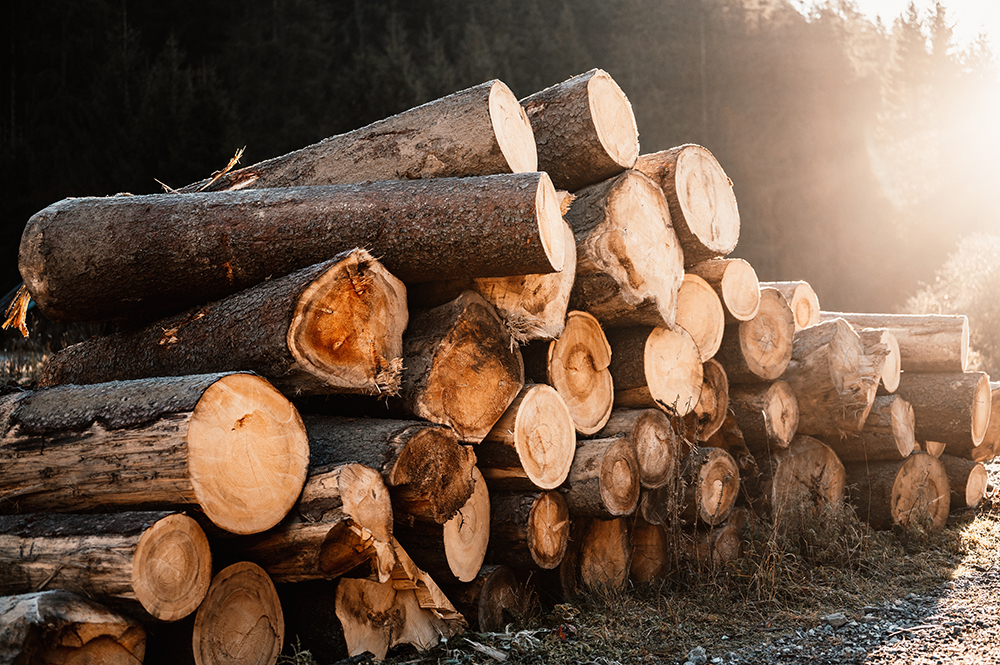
[(861, 153)]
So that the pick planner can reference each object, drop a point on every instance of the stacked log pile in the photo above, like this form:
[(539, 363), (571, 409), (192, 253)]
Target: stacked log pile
[(375, 383)]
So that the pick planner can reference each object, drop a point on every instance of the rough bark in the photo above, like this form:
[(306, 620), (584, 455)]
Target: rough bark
[(61, 627), (528, 530), (654, 441), (768, 414), (629, 263), (477, 131), (461, 368), (330, 328), (584, 129), (700, 312), (131, 258), (655, 367), (952, 408), (700, 194), (888, 433), (735, 281), (228, 443), (967, 481), (759, 349), (153, 565), (604, 479), (576, 365), (911, 493), (927, 342), (802, 300)]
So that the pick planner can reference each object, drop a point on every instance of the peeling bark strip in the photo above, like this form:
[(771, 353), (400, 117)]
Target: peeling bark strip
[(154, 564), (584, 130), (228, 443), (61, 627), (478, 131), (335, 327), (140, 257)]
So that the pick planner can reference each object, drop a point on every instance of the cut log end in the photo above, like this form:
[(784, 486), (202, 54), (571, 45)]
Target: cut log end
[(578, 369), (717, 482), (766, 339), (901, 419), (551, 229), (348, 325), (172, 568), (548, 530), (981, 408), (700, 312), (240, 621), (736, 282), (713, 401), (467, 534), (921, 495), (512, 129), (242, 417), (544, 437), (366, 499), (705, 194), (808, 477), (620, 479), (782, 412), (674, 371), (613, 119), (656, 448)]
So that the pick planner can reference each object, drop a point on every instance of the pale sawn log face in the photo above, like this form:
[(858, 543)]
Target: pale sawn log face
[(605, 554), (801, 298), (467, 534), (577, 367), (735, 281), (700, 312), (713, 483)]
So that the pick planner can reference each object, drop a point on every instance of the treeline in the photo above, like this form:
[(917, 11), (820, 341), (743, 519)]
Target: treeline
[(850, 163)]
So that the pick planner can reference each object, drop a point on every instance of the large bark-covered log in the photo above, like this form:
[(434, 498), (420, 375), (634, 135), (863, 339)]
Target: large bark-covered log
[(966, 479), (700, 194), (882, 341), (154, 565), (604, 479), (329, 328), (833, 379), (700, 312), (228, 443), (454, 551), (142, 257), (60, 627), (528, 529), (759, 349), (584, 130), (576, 365), (629, 264), (532, 444), (803, 483), (912, 493), (477, 131), (605, 555), (713, 403), (461, 368), (428, 472), (712, 483), (953, 408), (927, 342), (654, 441), (887, 433), (240, 622), (492, 600), (655, 367), (767, 413), (801, 298), (735, 281)]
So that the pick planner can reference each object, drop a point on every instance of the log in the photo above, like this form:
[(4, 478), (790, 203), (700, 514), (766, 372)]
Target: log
[(712, 483), (461, 368), (61, 627), (532, 444), (735, 281), (990, 446), (653, 440), (529, 530), (133, 258), (936, 448), (629, 264), (428, 472), (700, 194), (874, 338), (713, 403), (760, 348), (767, 413), (604, 479), (801, 299), (228, 443), (730, 438), (699, 311), (605, 554), (887, 433), (476, 131), (713, 548), (803, 484), (913, 493), (953, 408), (492, 600), (655, 367), (584, 129), (343, 520), (454, 551), (650, 559), (927, 342), (152, 565), (967, 481), (533, 307), (576, 365), (335, 327), (240, 621), (832, 378)]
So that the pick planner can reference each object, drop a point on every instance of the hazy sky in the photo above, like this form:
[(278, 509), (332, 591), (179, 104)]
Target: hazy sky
[(969, 17)]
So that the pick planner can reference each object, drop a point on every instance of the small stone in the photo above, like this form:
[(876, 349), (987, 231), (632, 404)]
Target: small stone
[(697, 656), (835, 620), (718, 660)]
